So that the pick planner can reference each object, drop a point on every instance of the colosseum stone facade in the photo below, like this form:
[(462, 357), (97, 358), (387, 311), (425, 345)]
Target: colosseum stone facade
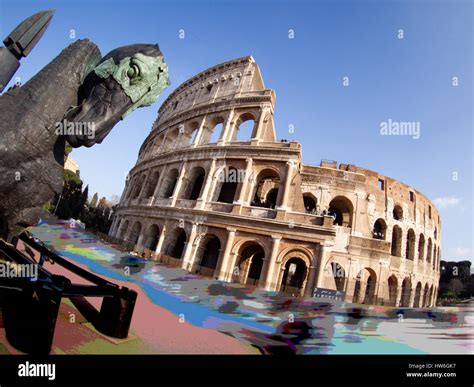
[(214, 192)]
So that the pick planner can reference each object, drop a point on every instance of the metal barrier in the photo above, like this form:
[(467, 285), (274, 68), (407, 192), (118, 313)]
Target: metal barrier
[(30, 305)]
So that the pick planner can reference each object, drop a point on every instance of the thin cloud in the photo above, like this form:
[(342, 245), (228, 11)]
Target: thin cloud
[(447, 201)]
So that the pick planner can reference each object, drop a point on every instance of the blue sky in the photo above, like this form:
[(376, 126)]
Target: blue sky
[(409, 79)]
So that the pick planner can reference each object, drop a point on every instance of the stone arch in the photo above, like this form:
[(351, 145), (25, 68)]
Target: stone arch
[(417, 300), (365, 287), (137, 187), (176, 243), (135, 232), (410, 248), (379, 230), (227, 183), (430, 296), (310, 203), (429, 250), (267, 187), (151, 237), (425, 296), (151, 184), (406, 292), (168, 184), (122, 231), (396, 246), (434, 256), (245, 126), (250, 263), (216, 130), (341, 208), (421, 247), (209, 249), (295, 272), (194, 184), (392, 290), (337, 272)]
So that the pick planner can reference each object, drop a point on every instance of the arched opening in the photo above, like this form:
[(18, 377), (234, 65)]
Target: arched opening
[(365, 286), (339, 276), (421, 247), (429, 251), (228, 180), (417, 301), (341, 209), (266, 189), (396, 248), (435, 233), (135, 233), (216, 133), (244, 128), (310, 203), (397, 213), (123, 229), (425, 296), (151, 185), (392, 290), (410, 248), (169, 183), (138, 187), (380, 229), (195, 183), (250, 264), (152, 237), (177, 243), (210, 246), (430, 296), (434, 256), (406, 291), (294, 276)]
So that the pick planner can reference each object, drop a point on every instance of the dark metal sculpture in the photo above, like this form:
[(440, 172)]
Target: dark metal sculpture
[(19, 44), (78, 97)]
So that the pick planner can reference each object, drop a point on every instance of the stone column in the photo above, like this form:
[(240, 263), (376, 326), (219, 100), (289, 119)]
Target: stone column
[(188, 260), (399, 295), (227, 129), (286, 189), (258, 131), (200, 131), (202, 200), (324, 251), (161, 239), (311, 282), (268, 268), (223, 263), (177, 187), (139, 244), (243, 199)]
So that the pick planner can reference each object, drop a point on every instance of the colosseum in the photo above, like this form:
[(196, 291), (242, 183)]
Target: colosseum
[(216, 193)]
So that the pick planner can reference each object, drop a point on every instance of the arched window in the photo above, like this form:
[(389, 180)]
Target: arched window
[(195, 182), (380, 228), (216, 133), (176, 244), (169, 183), (138, 185), (228, 180), (310, 203), (152, 236), (135, 233), (210, 254), (421, 247), (266, 189), (430, 249), (151, 185), (341, 209), (410, 248), (245, 125), (397, 213), (396, 248)]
